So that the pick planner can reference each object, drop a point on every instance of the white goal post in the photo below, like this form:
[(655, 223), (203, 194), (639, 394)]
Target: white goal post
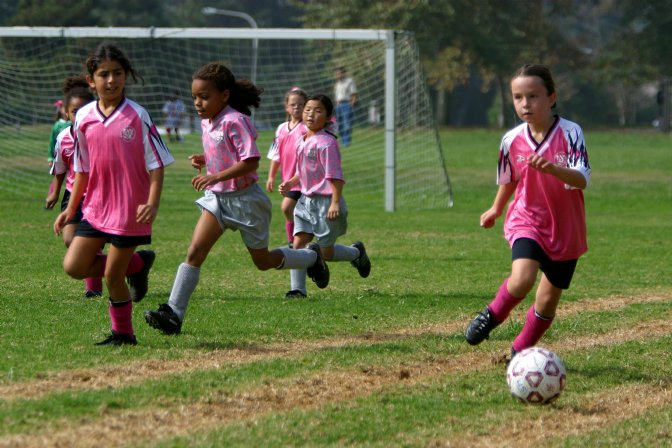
[(395, 153)]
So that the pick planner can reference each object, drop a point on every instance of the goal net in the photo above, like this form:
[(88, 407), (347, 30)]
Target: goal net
[(395, 159)]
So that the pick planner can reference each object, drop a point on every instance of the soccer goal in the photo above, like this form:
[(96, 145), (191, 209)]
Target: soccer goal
[(395, 159)]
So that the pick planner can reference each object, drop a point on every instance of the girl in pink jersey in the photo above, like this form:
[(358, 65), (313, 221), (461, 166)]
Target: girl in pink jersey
[(119, 160), (233, 199), (283, 154), (543, 163), (321, 211), (77, 94)]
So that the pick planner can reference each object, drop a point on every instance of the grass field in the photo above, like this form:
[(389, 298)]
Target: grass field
[(375, 362)]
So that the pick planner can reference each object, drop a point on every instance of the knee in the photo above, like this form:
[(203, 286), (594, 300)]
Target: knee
[(196, 255), (521, 285), (263, 265), (73, 269)]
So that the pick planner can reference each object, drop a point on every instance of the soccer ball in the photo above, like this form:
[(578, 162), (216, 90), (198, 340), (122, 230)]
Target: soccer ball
[(536, 375)]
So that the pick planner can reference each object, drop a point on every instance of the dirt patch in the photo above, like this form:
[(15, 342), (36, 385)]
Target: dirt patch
[(312, 392), (117, 376)]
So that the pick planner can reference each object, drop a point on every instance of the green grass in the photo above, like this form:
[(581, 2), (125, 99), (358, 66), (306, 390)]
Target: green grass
[(433, 267)]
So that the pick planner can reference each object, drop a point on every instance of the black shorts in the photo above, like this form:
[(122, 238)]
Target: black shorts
[(559, 273), (64, 204), (293, 195), (87, 231)]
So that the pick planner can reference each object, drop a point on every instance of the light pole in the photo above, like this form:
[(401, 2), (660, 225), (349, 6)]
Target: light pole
[(209, 11)]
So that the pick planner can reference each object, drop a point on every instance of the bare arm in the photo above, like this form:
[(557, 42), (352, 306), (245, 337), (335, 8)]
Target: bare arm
[(272, 171), (147, 212), (54, 191), (571, 177), (504, 193), (336, 193), (238, 170), (76, 195)]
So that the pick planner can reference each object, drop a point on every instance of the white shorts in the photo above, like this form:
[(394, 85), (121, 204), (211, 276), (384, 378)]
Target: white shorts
[(247, 210), (310, 216)]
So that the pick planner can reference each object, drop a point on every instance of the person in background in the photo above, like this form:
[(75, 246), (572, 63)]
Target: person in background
[(173, 113), (345, 93), (77, 93), (321, 211)]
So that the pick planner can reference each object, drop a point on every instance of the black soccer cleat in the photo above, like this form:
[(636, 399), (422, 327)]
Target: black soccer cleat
[(117, 339), (295, 294), (90, 294), (138, 283), (480, 327), (164, 319), (362, 263), (319, 271)]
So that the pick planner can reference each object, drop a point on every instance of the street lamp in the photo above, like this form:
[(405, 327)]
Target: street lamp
[(210, 11)]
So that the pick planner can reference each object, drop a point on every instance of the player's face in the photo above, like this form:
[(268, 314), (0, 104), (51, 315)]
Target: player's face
[(531, 100), (109, 81), (315, 115), (73, 107), (208, 101), (294, 107)]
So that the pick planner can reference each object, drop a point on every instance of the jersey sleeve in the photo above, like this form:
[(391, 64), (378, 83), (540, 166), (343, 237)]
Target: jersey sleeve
[(156, 152), (505, 173), (274, 149), (81, 151), (242, 139), (332, 161), (577, 153), (59, 166)]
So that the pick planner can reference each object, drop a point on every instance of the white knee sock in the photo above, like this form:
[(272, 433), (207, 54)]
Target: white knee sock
[(345, 253), (297, 258), (186, 280), (297, 279)]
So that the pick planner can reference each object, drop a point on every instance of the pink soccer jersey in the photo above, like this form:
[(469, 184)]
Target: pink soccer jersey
[(227, 139), (63, 152), (117, 152), (544, 208), (283, 149), (318, 160)]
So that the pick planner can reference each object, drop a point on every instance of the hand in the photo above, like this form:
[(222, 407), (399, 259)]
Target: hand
[(283, 188), (488, 218), (51, 201), (334, 211), (203, 180), (269, 185), (146, 213), (60, 222), (197, 161), (540, 164)]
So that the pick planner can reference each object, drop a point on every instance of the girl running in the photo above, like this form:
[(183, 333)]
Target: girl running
[(233, 199), (543, 163), (283, 155), (119, 160), (321, 211), (77, 94)]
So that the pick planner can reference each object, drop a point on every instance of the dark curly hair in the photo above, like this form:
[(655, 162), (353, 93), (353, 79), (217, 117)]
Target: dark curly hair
[(242, 94)]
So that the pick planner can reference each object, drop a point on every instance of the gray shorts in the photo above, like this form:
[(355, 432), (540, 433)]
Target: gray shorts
[(247, 210), (310, 216)]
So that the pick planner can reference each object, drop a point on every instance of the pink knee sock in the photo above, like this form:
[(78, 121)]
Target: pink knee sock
[(503, 303), (289, 228), (121, 317), (534, 328), (94, 284), (135, 264)]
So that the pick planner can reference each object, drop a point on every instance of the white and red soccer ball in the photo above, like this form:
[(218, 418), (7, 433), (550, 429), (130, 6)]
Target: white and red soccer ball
[(536, 376)]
